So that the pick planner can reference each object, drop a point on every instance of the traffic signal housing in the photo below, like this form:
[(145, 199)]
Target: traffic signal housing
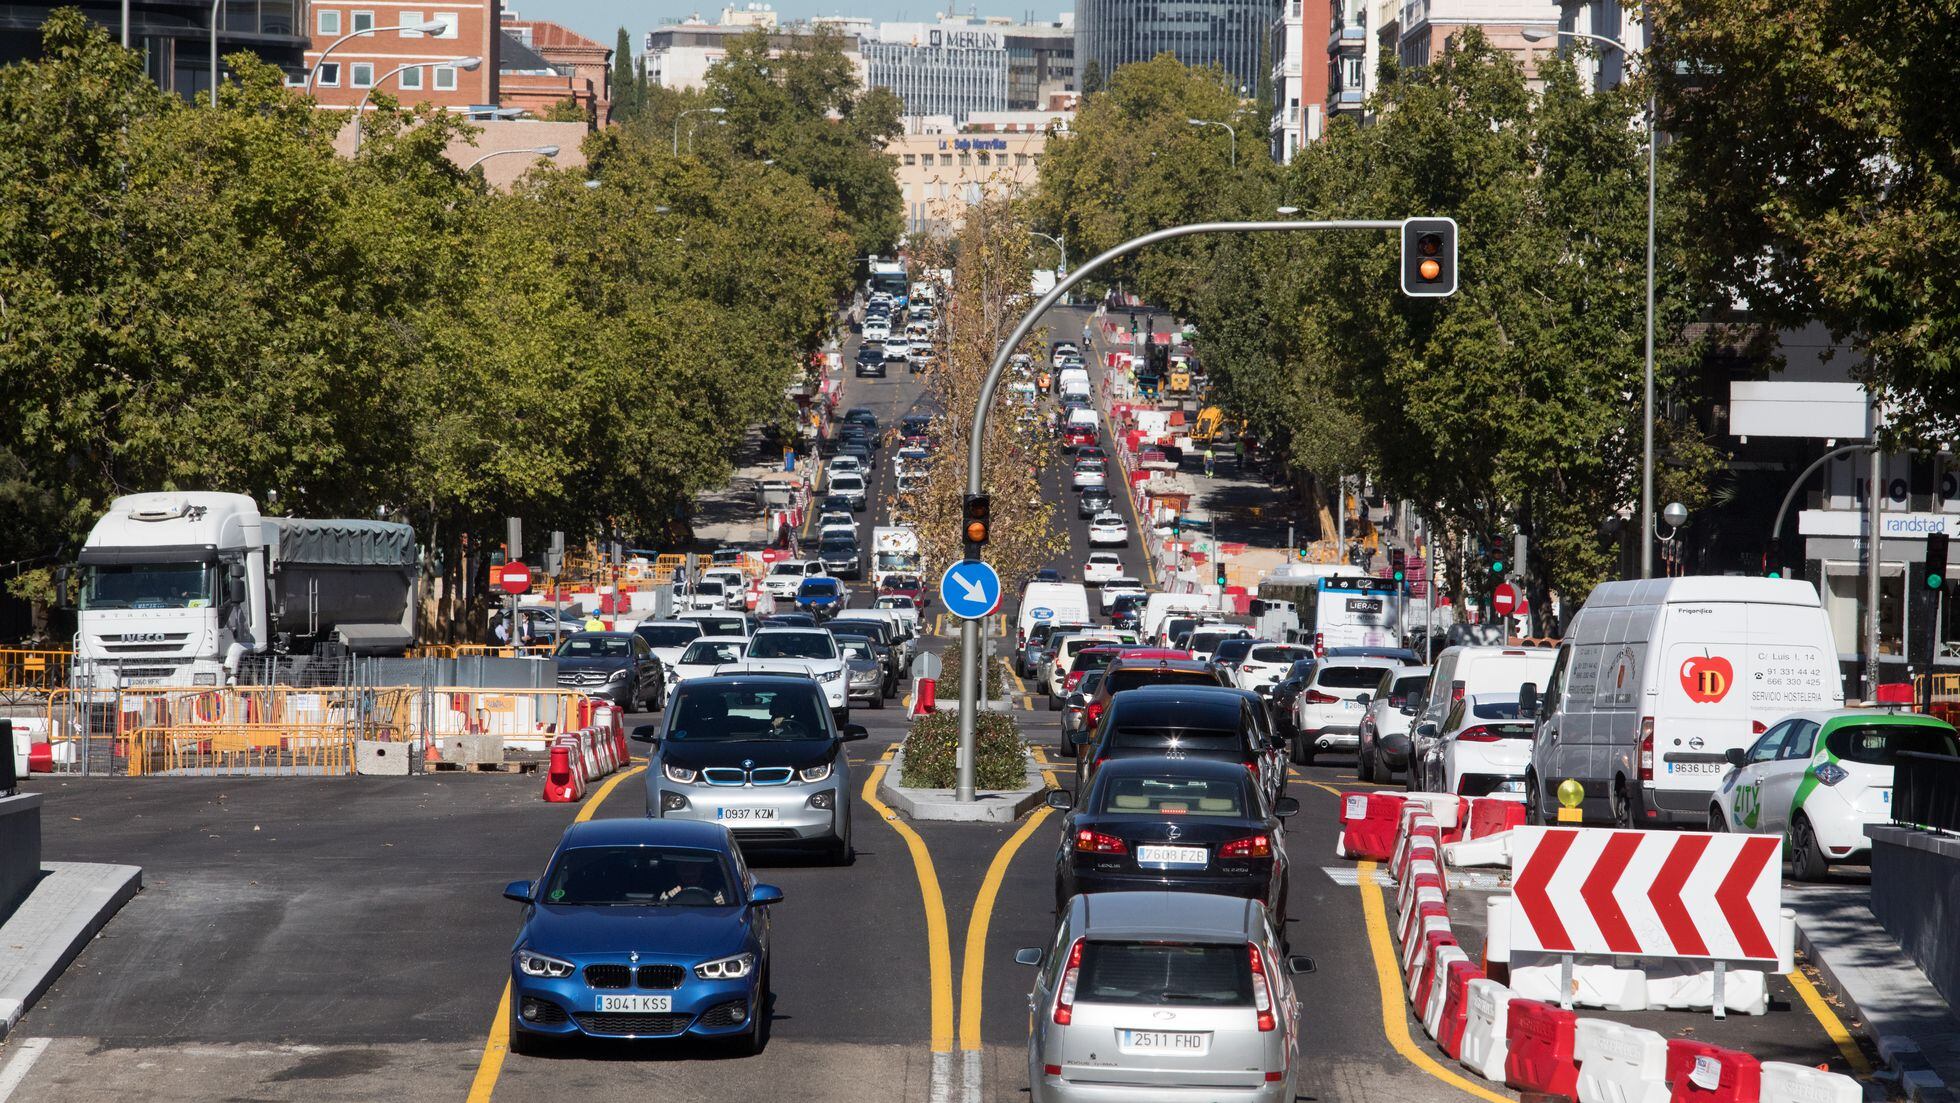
[(1398, 565), (977, 520), (1429, 257), (1928, 580), (1934, 577)]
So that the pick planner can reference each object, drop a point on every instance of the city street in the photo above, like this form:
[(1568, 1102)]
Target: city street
[(344, 939)]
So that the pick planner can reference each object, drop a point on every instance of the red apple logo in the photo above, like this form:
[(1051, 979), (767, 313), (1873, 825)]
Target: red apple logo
[(1707, 678)]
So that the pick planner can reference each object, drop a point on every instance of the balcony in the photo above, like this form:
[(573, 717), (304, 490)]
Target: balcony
[(1344, 99), (1349, 38)]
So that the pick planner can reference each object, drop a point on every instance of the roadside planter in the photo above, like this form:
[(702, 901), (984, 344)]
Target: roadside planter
[(921, 779)]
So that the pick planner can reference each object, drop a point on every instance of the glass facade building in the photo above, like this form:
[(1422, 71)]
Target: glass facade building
[(945, 72), (174, 36), (1228, 33)]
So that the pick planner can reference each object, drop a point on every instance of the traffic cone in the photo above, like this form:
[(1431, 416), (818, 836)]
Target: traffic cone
[(560, 783)]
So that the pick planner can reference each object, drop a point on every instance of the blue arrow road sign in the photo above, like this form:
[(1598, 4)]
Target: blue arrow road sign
[(970, 589)]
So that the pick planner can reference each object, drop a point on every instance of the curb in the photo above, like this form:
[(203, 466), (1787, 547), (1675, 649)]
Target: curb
[(42, 961), (1902, 1057), (938, 805)]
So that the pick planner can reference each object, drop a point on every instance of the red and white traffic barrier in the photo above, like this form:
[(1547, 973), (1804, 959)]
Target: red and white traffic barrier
[(1620, 1063)]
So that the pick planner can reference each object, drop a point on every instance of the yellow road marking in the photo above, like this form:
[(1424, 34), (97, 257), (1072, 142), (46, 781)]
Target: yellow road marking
[(1833, 1026), (939, 954), (974, 967), (497, 1045)]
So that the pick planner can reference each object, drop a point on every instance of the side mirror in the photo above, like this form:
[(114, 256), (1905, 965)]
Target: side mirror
[(1528, 699), (645, 733), (1286, 806), (1736, 756), (1427, 730), (1277, 742), (519, 891), (1299, 963), (855, 732), (64, 577), (1263, 690), (1028, 955), (1364, 699), (762, 896), (1082, 736), (1061, 799), (1077, 701)]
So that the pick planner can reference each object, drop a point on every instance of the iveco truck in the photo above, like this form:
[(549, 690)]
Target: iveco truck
[(177, 588)]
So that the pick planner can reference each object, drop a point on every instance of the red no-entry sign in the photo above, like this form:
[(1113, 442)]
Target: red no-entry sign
[(515, 578), (1504, 599)]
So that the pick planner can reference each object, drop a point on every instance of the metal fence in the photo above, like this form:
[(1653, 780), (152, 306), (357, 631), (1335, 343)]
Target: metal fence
[(25, 671), (1926, 791)]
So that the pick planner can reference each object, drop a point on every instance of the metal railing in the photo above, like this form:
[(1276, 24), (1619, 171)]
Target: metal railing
[(25, 670), (1926, 791)]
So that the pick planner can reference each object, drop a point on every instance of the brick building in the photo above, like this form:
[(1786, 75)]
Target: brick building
[(387, 41), (572, 67)]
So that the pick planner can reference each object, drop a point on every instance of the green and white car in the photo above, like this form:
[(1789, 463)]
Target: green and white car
[(1817, 778)]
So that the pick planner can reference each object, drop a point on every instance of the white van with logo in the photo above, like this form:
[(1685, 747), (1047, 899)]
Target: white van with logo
[(1658, 679), (1057, 602)]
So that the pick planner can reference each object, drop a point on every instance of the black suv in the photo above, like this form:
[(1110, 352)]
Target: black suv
[(616, 666), (870, 361)]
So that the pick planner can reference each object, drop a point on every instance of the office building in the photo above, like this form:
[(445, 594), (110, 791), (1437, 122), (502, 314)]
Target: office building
[(679, 55), (944, 168), (1299, 75), (1232, 34), (1040, 63), (380, 48), (174, 36), (1414, 32), (1603, 67), (951, 69)]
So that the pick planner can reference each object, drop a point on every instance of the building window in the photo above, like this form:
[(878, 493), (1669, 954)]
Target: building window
[(912, 158), (411, 79), (411, 19), (329, 74), (363, 20), (1020, 158), (983, 157), (363, 74), (449, 24), (1354, 72), (327, 21), (445, 78)]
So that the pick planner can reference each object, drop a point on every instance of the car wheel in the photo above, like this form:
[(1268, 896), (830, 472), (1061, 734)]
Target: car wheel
[(749, 1044), (1622, 805), (839, 853), (1054, 704), (1534, 808), (878, 700), (1365, 766), (1299, 753), (1807, 861), (1717, 822)]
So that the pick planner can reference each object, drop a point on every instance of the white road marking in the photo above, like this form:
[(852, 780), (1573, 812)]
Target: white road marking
[(1350, 876), (16, 1070), (942, 1079), (971, 1085)]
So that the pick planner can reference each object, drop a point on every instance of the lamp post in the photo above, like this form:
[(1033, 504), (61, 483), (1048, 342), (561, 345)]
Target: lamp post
[(467, 64), (685, 114), (433, 26), (1228, 130), (216, 11), (1542, 34), (541, 151)]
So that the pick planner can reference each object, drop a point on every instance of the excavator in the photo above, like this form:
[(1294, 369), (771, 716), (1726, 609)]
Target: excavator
[(1210, 420)]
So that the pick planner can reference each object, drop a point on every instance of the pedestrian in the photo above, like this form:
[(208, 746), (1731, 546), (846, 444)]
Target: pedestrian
[(1210, 458), (593, 623), (499, 632)]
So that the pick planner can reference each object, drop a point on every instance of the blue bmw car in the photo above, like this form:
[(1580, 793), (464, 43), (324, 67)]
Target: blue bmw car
[(642, 929)]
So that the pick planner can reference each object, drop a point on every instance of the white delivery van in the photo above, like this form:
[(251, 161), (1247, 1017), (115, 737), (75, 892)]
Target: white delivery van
[(1656, 680), (1469, 670), (1059, 602), (1073, 382), (1082, 417), (1157, 607)]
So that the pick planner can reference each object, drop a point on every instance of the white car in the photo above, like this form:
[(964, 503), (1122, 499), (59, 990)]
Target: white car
[(1205, 639), (811, 651), (1818, 778), (1386, 722), (1063, 351), (1088, 473), (1327, 711), (897, 349), (910, 460), (1482, 750), (702, 657), (837, 528), (668, 639), (877, 329), (708, 593), (1266, 663), (784, 577), (849, 486), (1101, 567), (834, 517), (1119, 586), (844, 465), (1108, 529)]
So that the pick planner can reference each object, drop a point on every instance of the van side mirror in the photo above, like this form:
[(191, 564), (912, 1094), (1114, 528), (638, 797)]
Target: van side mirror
[(64, 577), (1528, 699), (1299, 963), (1427, 729)]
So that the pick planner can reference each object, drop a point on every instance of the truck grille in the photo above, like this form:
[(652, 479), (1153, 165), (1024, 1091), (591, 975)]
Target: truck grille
[(143, 643)]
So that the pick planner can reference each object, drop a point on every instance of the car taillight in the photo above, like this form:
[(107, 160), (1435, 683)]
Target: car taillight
[(1065, 995), (1262, 994), (1646, 748), (1074, 679), (1478, 735), (1094, 712), (1095, 842), (1315, 697), (1252, 846), (1320, 645)]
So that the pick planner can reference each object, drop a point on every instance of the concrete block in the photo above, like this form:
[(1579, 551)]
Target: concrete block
[(379, 758), (1923, 1085), (1623, 1064), (20, 848), (469, 750), (1690, 986), (1536, 976)]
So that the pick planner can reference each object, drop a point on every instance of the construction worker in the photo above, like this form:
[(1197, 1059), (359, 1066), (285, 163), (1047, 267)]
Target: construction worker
[(593, 623), (1210, 458)]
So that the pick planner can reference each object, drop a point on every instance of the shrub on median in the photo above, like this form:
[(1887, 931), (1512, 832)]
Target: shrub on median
[(932, 746)]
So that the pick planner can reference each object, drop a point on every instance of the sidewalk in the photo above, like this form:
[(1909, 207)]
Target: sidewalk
[(64, 911), (1916, 1031)]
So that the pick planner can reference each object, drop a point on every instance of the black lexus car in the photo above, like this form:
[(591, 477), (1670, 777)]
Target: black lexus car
[(1185, 824)]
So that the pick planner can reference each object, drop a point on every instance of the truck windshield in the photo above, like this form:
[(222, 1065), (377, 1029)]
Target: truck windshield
[(148, 586)]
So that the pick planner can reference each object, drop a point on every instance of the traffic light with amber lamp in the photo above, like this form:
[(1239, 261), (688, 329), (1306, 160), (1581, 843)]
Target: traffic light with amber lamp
[(1429, 257), (977, 520)]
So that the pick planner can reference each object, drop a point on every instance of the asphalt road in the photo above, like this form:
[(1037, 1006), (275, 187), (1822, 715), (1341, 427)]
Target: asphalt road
[(344, 939)]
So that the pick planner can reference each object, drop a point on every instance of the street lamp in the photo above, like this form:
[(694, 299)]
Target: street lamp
[(541, 151), (467, 64), (685, 114), (1228, 130), (433, 26), (1543, 34)]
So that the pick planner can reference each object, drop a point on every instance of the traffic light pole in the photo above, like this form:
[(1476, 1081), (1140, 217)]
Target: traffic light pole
[(970, 630)]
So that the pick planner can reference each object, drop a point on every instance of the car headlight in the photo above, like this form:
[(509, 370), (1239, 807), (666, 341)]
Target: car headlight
[(538, 965), (814, 773), (679, 774), (830, 675), (727, 968), (619, 675)]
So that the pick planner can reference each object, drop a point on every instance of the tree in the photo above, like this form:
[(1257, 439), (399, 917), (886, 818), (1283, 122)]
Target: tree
[(1092, 77), (567, 110), (1819, 149), (625, 82)]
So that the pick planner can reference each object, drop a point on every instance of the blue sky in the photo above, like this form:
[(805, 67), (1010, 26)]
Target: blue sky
[(601, 19)]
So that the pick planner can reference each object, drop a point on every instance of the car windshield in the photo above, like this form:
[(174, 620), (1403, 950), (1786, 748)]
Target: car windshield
[(708, 713), (787, 568), (1495, 710), (1231, 649), (1350, 677), (1209, 640), (817, 588), (1165, 973), (1133, 679), (793, 645), (704, 653), (1139, 737), (1880, 744), (1173, 796), (667, 635), (149, 586), (639, 877), (721, 626), (1277, 654), (595, 647)]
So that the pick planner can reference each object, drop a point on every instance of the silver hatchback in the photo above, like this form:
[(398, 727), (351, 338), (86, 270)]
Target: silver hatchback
[(1163, 997)]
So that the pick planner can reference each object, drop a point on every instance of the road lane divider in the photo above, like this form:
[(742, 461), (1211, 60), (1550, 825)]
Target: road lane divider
[(939, 956), (496, 1046)]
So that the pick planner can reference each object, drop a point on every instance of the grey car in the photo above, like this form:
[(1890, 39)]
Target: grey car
[(761, 754), (865, 671), (616, 666), (1163, 997)]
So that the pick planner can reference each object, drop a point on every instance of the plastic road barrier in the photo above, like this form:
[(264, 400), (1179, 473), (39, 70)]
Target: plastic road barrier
[(1456, 1006), (1430, 904), (1413, 848), (1486, 1030), (1490, 815), (1435, 987), (1490, 850), (1420, 878), (1541, 1038), (1412, 946), (1420, 968), (1620, 1063), (1369, 825), (1415, 821), (564, 781), (1787, 1083), (1702, 1073)]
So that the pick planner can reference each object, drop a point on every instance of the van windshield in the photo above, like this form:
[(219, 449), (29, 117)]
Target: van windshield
[(1166, 973)]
